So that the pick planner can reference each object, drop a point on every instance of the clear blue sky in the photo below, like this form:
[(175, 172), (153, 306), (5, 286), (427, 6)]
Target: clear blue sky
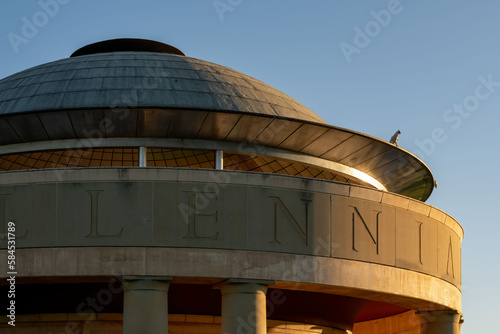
[(413, 74)]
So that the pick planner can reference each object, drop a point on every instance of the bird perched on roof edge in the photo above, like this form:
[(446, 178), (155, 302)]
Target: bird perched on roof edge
[(395, 138)]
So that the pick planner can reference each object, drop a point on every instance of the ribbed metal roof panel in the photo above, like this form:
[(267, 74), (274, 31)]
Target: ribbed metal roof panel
[(142, 79)]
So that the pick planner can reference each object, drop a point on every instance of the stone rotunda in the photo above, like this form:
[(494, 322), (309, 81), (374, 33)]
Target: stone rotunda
[(152, 192)]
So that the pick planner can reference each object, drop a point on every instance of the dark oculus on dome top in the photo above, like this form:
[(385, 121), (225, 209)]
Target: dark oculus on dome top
[(127, 44)]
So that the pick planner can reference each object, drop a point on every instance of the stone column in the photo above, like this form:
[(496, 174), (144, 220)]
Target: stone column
[(145, 304), (244, 306), (440, 322)]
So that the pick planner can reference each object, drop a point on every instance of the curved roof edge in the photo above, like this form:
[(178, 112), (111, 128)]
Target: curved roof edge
[(398, 170)]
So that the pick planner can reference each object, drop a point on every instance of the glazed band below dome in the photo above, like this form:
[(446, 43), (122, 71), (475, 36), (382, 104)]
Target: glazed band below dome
[(122, 152)]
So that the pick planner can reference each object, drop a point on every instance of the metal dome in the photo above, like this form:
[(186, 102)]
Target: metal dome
[(145, 89), (143, 79)]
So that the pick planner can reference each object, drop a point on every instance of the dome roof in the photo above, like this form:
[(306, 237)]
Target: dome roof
[(130, 88), (143, 79)]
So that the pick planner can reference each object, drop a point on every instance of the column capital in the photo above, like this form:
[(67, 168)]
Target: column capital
[(440, 321), (439, 315), (239, 285), (243, 281), (146, 283)]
